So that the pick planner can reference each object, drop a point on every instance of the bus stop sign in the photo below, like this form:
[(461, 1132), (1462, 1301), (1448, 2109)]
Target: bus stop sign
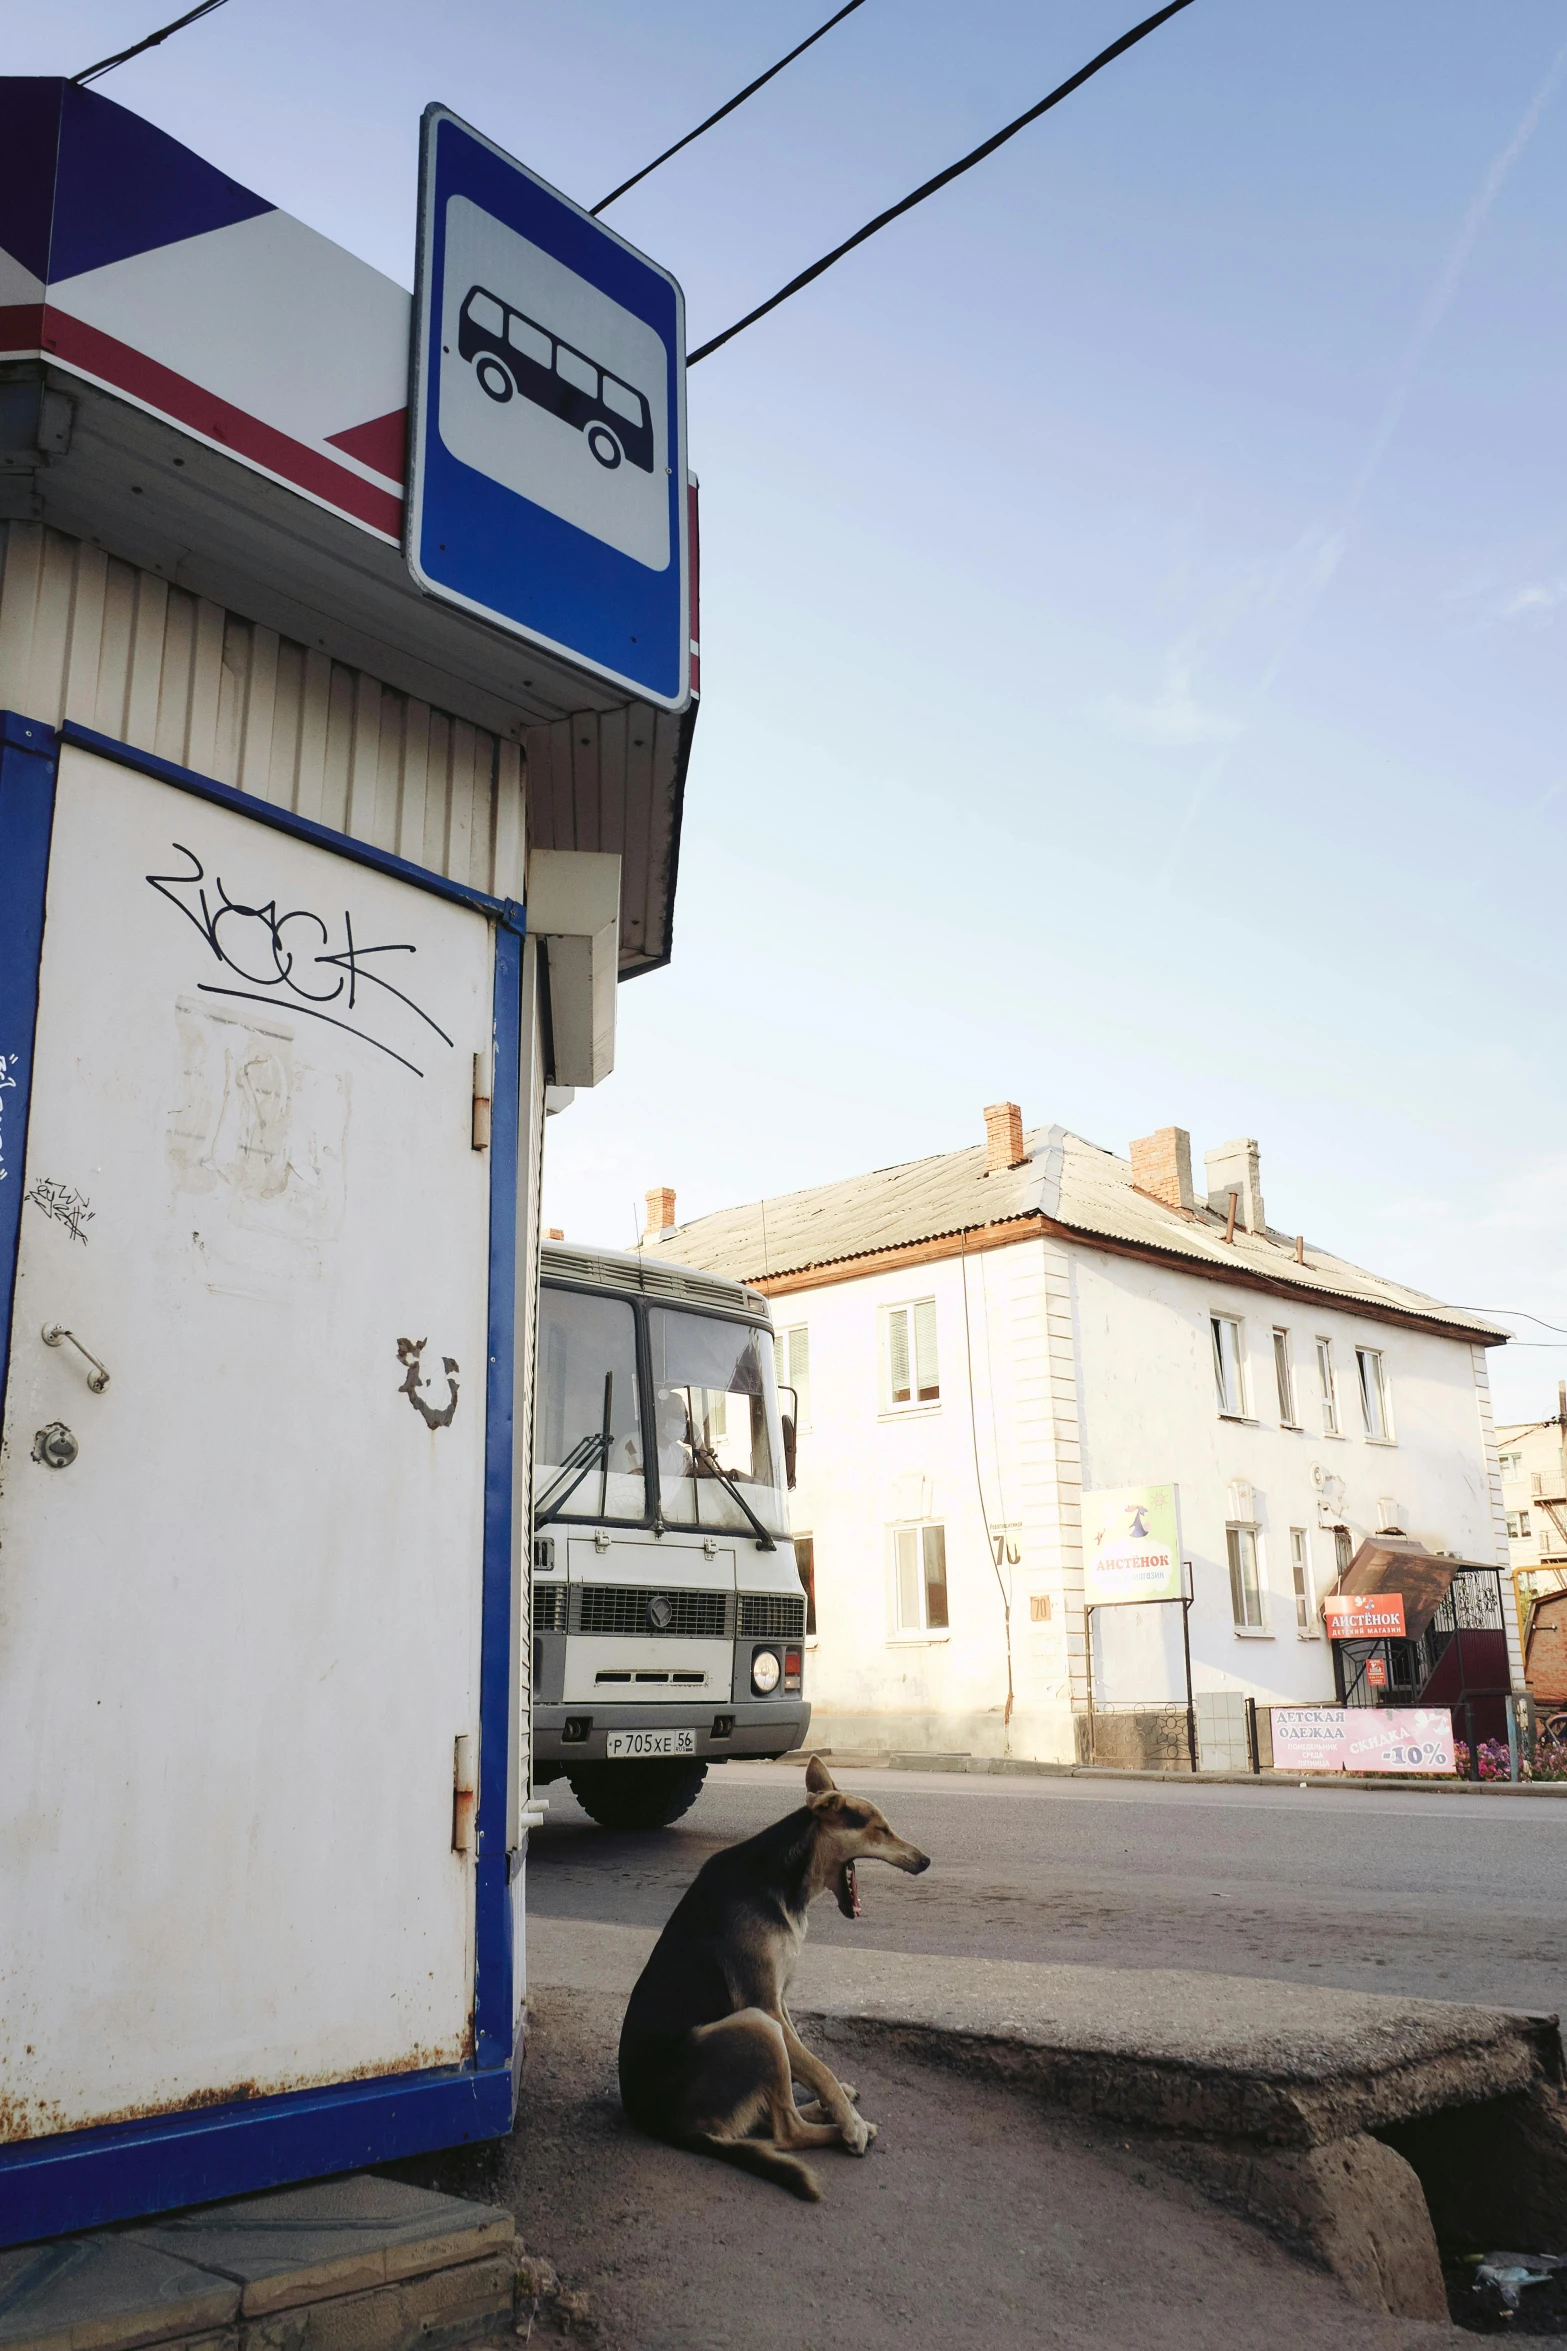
[(547, 465)]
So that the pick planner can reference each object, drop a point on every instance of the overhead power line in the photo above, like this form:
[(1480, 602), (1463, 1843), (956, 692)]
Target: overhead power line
[(728, 107), (93, 73), (1139, 32)]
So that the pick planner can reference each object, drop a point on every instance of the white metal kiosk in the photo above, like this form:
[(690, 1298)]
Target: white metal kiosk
[(275, 1034)]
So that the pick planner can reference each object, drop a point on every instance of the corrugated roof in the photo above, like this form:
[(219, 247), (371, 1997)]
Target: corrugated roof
[(1070, 1183)]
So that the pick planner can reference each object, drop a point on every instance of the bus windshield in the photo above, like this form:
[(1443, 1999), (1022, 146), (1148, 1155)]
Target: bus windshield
[(715, 1407), (583, 1342)]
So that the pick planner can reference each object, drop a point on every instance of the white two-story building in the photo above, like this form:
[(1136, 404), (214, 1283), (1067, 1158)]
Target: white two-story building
[(979, 1339)]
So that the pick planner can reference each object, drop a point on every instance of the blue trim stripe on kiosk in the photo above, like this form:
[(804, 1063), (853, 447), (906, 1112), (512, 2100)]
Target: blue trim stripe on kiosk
[(547, 462)]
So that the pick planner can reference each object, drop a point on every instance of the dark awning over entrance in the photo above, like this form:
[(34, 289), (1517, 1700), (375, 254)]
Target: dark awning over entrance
[(1394, 1563)]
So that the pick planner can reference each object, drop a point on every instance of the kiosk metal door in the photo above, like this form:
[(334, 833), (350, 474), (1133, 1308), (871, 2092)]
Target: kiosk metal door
[(242, 1510)]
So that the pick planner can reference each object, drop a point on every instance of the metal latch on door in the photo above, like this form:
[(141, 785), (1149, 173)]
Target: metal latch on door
[(54, 1336)]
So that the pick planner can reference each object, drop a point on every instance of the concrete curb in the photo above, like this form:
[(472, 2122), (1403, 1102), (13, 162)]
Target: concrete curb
[(1020, 1767)]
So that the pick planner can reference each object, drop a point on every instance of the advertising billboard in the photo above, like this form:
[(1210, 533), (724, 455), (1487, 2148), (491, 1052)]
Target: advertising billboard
[(1363, 1738), (1131, 1545)]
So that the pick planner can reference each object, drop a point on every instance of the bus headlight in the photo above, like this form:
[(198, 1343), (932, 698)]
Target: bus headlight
[(765, 1672)]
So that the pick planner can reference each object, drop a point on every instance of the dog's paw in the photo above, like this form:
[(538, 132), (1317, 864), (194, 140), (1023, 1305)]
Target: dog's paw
[(850, 2092), (858, 2134)]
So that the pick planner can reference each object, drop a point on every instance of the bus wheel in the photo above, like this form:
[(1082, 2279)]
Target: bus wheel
[(604, 446), (493, 378), (636, 1795)]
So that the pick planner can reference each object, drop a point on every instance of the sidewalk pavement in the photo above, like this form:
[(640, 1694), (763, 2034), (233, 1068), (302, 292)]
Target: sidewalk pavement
[(1346, 2121), (1012, 1766)]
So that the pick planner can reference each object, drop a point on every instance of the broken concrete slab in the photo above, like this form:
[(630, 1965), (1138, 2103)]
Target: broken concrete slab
[(355, 2264), (1316, 2112), (340, 2236)]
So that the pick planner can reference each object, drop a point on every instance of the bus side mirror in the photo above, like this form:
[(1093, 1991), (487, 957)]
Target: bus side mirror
[(788, 1444)]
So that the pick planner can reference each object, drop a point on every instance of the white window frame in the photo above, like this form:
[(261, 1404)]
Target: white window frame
[(1377, 1391), (915, 1535), (1304, 1583), (790, 1376), (1510, 1465), (1239, 1537), (1520, 1527), (1327, 1382), (1238, 1409), (914, 1402), (1284, 1378)]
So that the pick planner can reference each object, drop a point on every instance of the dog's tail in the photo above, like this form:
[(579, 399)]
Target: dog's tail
[(762, 2157)]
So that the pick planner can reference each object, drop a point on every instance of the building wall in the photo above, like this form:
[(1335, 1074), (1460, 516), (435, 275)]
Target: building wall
[(1089, 1371), (87, 637), (866, 1469), (1150, 1413)]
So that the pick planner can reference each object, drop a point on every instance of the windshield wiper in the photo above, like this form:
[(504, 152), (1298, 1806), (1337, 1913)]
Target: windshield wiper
[(586, 1454), (707, 1461)]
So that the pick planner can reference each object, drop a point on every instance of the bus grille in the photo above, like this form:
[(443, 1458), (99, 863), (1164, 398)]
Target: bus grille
[(549, 1608), (772, 1616), (622, 1608)]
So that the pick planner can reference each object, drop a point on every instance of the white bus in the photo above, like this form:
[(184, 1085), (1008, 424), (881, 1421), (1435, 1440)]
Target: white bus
[(668, 1611)]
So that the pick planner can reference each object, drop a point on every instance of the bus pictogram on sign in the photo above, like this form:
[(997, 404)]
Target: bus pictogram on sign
[(512, 353)]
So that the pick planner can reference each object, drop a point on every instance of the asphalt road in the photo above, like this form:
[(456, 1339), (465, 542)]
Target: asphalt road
[(1447, 1897)]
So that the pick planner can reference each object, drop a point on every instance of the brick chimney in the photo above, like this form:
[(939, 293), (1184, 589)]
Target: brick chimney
[(1162, 1167), (1237, 1167), (1003, 1138), (660, 1213)]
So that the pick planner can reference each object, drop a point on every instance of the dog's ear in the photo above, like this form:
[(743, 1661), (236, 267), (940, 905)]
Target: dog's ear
[(817, 1777), (827, 1804)]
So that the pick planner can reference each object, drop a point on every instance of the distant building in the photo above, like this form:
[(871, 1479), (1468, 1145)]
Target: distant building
[(1532, 1458), (981, 1339)]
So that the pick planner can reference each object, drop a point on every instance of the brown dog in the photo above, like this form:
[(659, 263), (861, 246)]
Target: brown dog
[(708, 2052)]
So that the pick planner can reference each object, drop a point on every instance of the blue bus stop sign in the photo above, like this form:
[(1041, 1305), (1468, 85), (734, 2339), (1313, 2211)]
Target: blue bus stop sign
[(547, 467)]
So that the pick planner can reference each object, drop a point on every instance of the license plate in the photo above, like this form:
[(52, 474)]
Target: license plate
[(651, 1743)]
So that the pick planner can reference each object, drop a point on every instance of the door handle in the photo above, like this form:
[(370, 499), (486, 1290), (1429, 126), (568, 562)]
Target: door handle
[(97, 1378)]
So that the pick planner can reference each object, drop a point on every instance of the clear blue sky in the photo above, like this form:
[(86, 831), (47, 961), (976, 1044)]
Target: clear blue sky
[(1135, 586)]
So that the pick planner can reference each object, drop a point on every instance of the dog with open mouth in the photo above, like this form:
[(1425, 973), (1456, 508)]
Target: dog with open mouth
[(708, 2052)]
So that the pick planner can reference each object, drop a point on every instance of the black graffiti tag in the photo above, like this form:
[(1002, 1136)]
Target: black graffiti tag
[(288, 957)]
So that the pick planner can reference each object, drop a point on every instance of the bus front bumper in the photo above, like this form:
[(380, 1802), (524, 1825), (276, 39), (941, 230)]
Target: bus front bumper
[(757, 1727)]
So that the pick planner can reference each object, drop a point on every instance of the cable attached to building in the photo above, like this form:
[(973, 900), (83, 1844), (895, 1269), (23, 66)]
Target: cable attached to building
[(1139, 32), (93, 73), (728, 107), (979, 1484)]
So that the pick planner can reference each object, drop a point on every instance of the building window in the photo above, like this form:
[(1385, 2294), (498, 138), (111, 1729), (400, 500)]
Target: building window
[(794, 1368), (920, 1578), (1284, 1378), (1245, 1585), (1228, 1361), (1510, 1464), (1518, 1526), (1330, 1427), (1300, 1572), (1373, 1394), (805, 1567), (910, 1353), (1343, 1550)]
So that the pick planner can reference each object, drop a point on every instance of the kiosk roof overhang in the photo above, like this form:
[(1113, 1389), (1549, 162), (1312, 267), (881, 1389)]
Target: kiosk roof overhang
[(237, 389)]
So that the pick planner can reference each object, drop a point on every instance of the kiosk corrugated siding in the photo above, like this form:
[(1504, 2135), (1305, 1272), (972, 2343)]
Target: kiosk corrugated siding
[(87, 637)]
